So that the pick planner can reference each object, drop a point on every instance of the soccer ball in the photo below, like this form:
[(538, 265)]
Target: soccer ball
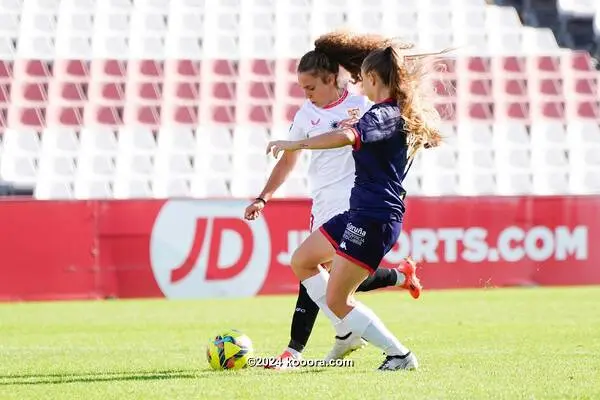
[(229, 350)]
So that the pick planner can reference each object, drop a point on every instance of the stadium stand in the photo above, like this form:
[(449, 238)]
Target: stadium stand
[(576, 23), (167, 98)]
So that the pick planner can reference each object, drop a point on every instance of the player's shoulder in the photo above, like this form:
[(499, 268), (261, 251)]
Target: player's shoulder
[(386, 113), (385, 110), (358, 100), (303, 114)]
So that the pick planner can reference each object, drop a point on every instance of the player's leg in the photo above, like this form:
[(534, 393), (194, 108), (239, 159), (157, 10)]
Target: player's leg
[(306, 310), (403, 276), (313, 250), (359, 320), (306, 264), (364, 244), (303, 320), (316, 282)]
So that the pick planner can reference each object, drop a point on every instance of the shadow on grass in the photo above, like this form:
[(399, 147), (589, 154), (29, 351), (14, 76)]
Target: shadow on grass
[(69, 377), (90, 377)]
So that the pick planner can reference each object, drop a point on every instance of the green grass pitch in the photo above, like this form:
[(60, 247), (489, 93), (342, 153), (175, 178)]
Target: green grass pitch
[(472, 344)]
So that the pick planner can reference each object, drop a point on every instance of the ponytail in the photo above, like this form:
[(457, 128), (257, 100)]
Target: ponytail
[(406, 77)]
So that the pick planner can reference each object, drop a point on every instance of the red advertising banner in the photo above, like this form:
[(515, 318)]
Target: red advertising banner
[(47, 251), (204, 249)]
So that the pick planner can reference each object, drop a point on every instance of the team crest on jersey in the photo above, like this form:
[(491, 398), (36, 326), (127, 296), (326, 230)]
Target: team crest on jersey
[(354, 112)]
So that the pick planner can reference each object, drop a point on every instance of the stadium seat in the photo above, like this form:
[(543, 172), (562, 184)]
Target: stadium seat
[(18, 168), (171, 188), (582, 133), (48, 189), (246, 186), (56, 167), (207, 186), (294, 187), (550, 182), (7, 48), (93, 166), (477, 183), (60, 141), (97, 141), (21, 141), (93, 189), (439, 182), (176, 140), (514, 182), (169, 164)]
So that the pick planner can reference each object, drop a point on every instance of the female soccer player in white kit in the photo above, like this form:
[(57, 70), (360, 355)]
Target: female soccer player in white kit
[(331, 172)]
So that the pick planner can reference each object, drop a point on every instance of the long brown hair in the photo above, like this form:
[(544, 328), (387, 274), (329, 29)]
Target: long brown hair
[(408, 78), (340, 48)]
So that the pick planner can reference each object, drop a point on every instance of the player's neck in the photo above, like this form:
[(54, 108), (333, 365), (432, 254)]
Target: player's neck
[(335, 96), (381, 95)]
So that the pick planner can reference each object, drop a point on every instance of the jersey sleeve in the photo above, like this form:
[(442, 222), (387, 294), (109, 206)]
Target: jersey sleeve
[(297, 131), (372, 128)]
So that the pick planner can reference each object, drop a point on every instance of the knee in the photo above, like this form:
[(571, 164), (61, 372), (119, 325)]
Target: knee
[(338, 303), (296, 261), (299, 262)]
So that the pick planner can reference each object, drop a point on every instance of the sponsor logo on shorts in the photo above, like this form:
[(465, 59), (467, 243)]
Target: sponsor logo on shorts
[(354, 234), (356, 230)]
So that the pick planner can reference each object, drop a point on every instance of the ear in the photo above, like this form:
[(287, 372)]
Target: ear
[(328, 79), (372, 78)]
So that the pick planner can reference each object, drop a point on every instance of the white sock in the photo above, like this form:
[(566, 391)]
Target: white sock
[(361, 321), (400, 277), (316, 287)]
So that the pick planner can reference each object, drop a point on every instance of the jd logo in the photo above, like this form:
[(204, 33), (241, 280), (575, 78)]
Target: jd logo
[(202, 249)]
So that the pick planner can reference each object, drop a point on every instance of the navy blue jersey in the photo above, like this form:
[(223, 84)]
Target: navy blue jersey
[(380, 157)]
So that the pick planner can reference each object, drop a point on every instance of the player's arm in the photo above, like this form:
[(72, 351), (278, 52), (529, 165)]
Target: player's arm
[(328, 140), (279, 174)]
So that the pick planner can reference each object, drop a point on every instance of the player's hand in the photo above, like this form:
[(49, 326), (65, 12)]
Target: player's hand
[(253, 211), (347, 123), (277, 146)]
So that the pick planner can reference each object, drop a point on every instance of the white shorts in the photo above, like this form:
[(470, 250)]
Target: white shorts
[(327, 204)]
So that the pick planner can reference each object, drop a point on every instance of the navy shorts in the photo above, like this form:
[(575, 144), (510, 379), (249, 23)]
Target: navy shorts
[(363, 241)]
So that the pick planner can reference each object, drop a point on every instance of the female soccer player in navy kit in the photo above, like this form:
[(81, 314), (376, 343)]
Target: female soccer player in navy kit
[(331, 173), (384, 141)]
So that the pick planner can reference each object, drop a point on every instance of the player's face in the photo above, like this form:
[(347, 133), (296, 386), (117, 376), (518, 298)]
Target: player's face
[(317, 89)]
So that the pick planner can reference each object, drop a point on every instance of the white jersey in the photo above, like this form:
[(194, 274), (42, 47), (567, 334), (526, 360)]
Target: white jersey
[(331, 171)]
